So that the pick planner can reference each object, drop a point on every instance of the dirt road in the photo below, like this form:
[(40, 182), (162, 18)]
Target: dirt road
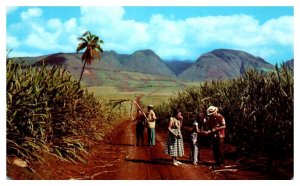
[(117, 158), (126, 161)]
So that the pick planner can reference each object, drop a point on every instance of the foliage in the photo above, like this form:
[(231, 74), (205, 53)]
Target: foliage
[(258, 108), (48, 112), (91, 44)]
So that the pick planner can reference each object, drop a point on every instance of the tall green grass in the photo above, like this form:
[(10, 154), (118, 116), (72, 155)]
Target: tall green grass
[(258, 109), (48, 112)]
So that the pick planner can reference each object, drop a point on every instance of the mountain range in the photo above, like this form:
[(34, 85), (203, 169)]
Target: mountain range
[(216, 64)]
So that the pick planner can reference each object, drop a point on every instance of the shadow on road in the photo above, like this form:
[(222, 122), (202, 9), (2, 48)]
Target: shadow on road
[(151, 161), (120, 144)]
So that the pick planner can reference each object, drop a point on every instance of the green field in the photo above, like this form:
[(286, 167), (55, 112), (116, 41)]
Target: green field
[(153, 89)]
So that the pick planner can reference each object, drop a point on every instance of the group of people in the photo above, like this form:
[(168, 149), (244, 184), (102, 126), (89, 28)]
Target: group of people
[(145, 121), (174, 142)]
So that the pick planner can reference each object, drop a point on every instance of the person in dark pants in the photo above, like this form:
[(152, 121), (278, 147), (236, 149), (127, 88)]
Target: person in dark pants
[(216, 125), (140, 126), (151, 125)]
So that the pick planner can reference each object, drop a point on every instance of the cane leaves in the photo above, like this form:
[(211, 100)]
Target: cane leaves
[(48, 112), (258, 108)]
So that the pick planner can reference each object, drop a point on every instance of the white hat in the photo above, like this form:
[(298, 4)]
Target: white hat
[(195, 123), (211, 110), (150, 106)]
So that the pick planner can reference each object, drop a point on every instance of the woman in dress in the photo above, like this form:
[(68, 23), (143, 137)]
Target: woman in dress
[(174, 142)]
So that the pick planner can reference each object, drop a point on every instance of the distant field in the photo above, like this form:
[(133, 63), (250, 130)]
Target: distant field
[(153, 89)]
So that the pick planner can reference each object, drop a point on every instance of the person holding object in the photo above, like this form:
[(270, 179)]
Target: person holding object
[(174, 141), (193, 145), (216, 125), (140, 126), (151, 125)]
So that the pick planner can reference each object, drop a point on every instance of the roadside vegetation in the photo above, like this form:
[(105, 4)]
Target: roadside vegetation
[(48, 113), (258, 108)]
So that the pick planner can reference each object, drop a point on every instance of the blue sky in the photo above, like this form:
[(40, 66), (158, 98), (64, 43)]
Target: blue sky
[(171, 32)]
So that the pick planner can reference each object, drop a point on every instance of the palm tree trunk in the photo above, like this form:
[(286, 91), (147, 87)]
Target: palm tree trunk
[(82, 72)]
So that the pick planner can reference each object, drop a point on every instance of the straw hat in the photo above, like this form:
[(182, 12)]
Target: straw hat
[(150, 106), (211, 110)]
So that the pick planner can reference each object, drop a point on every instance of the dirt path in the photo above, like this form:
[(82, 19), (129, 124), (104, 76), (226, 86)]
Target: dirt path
[(121, 159), (143, 162)]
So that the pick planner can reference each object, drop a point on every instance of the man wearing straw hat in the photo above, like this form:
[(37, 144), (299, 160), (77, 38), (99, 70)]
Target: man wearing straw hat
[(151, 125), (216, 125)]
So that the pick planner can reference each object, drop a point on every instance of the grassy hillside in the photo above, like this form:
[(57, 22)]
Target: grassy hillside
[(153, 89)]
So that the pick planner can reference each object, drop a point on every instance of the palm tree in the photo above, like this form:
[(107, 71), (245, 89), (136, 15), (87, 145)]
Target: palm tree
[(91, 44)]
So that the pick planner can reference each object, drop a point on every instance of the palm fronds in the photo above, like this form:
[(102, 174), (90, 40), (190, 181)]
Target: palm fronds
[(91, 43)]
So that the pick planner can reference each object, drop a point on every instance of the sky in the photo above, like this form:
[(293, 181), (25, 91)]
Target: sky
[(179, 32)]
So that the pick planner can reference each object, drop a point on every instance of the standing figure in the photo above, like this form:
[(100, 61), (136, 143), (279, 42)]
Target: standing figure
[(151, 125), (216, 125), (200, 118), (140, 126), (193, 144), (174, 142)]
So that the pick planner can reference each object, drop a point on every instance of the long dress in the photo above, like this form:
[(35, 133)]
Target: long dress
[(174, 146)]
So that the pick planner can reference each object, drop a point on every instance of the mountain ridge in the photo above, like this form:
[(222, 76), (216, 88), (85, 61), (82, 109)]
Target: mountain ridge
[(223, 64), (216, 64)]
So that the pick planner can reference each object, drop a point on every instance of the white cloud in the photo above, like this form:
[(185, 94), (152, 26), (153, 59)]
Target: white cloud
[(226, 30), (101, 15), (279, 30), (55, 35), (54, 23), (167, 31), (42, 39), (118, 34), (12, 42), (236, 31), (31, 12), (185, 38), (131, 32), (38, 41), (70, 25)]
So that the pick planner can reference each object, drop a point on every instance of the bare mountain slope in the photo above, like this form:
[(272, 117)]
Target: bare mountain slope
[(223, 64)]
